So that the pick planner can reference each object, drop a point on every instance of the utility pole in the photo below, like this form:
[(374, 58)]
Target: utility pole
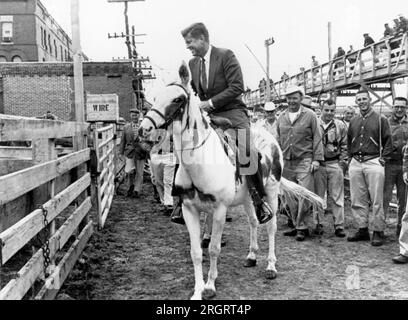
[(268, 43), (78, 73), (329, 27)]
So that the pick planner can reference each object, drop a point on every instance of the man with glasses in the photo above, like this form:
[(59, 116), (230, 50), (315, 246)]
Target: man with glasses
[(393, 169), (369, 145)]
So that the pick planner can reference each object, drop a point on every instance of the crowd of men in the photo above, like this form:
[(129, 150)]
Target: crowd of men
[(317, 149)]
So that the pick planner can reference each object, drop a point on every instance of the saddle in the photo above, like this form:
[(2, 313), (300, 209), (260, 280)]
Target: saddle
[(221, 122)]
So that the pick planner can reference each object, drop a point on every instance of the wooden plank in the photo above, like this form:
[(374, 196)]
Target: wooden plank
[(8, 166), (16, 152), (104, 143), (107, 182), (25, 129), (103, 129), (18, 287), (12, 188), (54, 283), (101, 161), (15, 237)]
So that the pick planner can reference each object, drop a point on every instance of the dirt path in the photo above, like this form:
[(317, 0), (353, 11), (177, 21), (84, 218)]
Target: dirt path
[(141, 255)]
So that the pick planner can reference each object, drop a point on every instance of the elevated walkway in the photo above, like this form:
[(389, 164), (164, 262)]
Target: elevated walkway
[(382, 62)]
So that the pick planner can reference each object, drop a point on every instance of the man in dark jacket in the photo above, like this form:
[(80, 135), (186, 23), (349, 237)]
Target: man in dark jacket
[(369, 146), (135, 155), (402, 258), (393, 169), (367, 40), (217, 80)]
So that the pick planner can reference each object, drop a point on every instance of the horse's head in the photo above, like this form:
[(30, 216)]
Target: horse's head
[(169, 105)]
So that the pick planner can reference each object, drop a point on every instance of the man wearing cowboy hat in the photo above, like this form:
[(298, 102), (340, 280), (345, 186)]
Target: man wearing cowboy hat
[(269, 121), (300, 139)]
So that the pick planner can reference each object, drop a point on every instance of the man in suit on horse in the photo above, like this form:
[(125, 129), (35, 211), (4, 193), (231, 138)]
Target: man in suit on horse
[(217, 80)]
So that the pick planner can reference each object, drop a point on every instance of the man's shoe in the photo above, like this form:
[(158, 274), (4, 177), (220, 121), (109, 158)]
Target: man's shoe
[(290, 233), (400, 259), (360, 235), (130, 191), (300, 235), (135, 194), (318, 231), (228, 218), (340, 233), (377, 240), (167, 210), (177, 215), (264, 213)]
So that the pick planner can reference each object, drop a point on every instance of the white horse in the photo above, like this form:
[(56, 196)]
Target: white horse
[(207, 178)]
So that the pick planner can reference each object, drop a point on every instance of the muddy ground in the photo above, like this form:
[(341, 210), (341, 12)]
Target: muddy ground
[(141, 255)]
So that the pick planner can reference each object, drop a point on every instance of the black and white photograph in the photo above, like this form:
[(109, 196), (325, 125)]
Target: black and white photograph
[(231, 151)]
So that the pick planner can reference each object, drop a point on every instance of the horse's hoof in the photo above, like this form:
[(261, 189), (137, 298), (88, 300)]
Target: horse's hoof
[(208, 294), (249, 263), (271, 274)]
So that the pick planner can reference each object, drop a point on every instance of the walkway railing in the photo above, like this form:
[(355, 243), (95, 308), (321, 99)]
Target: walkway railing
[(383, 61)]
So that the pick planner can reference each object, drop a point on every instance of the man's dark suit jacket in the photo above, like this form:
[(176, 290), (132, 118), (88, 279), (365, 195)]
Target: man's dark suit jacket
[(129, 146), (225, 81)]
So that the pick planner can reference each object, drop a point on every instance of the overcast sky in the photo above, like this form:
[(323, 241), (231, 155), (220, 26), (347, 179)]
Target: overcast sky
[(299, 28)]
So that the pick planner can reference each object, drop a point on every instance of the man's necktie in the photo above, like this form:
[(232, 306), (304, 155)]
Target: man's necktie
[(203, 77)]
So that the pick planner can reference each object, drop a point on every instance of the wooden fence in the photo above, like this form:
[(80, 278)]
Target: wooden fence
[(104, 145), (44, 206)]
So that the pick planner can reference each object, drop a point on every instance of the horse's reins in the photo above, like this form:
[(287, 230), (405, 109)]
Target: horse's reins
[(179, 111)]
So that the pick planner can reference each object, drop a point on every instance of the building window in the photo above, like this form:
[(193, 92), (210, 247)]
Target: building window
[(42, 36), (45, 40), (7, 32), (3, 59), (62, 54), (66, 55), (49, 43), (55, 49), (17, 59)]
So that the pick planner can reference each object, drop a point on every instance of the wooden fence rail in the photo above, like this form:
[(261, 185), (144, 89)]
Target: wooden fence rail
[(105, 149), (50, 201)]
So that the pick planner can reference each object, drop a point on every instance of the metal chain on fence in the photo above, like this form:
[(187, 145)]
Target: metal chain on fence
[(45, 242)]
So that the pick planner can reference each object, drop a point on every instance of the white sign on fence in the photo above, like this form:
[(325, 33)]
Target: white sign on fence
[(102, 107)]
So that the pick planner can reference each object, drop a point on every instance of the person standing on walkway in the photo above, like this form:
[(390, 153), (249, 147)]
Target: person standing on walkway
[(402, 258), (301, 143), (369, 145), (269, 122), (135, 155), (393, 169), (329, 177)]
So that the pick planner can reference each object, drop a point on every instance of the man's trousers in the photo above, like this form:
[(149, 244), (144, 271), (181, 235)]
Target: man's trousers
[(299, 171), (367, 186)]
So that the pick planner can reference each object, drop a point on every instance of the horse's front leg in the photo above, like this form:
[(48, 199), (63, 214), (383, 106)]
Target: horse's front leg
[(214, 249), (253, 232), (192, 219), (272, 190)]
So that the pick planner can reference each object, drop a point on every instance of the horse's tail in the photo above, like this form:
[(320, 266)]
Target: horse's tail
[(292, 191)]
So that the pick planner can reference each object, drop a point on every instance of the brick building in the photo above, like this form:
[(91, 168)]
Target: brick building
[(31, 89), (29, 33)]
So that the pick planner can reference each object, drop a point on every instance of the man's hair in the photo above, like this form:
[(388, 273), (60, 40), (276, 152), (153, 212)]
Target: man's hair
[(401, 99), (329, 102), (351, 109), (196, 30), (362, 90)]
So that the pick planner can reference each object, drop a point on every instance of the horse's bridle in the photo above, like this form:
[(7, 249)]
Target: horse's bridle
[(179, 111)]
